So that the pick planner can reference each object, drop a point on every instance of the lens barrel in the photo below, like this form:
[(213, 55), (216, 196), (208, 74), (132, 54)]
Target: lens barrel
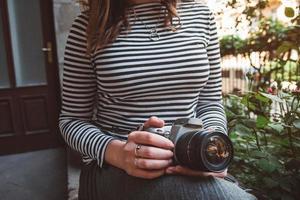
[(204, 150)]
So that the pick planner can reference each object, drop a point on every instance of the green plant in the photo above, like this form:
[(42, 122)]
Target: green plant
[(276, 44), (266, 142), (264, 123)]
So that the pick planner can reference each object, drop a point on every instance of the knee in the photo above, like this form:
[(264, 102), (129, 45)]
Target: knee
[(232, 191)]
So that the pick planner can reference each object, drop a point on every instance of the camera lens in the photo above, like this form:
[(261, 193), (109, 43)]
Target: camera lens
[(204, 150), (216, 150)]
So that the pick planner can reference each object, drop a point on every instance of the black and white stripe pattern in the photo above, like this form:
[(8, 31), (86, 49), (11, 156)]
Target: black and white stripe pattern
[(136, 78)]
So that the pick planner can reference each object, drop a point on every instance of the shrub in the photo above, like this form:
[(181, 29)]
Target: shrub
[(265, 130)]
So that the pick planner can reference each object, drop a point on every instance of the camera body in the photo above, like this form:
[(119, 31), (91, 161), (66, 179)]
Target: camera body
[(196, 147)]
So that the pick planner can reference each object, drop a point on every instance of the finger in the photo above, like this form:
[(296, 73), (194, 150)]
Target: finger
[(186, 171), (154, 122), (146, 138), (146, 174), (154, 153), (189, 172), (219, 175), (151, 164)]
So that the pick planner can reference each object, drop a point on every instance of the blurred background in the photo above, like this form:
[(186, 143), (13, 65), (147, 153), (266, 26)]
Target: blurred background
[(260, 47)]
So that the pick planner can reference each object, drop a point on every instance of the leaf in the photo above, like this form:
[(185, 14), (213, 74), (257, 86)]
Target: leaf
[(258, 154), (277, 127), (262, 98), (243, 130), (266, 165), (250, 123), (289, 12), (296, 123), (261, 121), (282, 143), (274, 160), (232, 123), (233, 135), (272, 97)]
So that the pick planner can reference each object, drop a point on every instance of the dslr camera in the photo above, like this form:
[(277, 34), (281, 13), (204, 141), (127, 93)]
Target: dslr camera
[(195, 147)]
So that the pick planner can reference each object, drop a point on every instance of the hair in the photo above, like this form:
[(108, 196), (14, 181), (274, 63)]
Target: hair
[(106, 17)]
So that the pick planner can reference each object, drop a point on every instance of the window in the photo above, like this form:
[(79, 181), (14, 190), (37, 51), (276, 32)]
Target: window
[(4, 79), (21, 21)]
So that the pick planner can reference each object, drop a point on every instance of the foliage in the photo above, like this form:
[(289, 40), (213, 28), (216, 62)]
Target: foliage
[(232, 45), (276, 43), (264, 123), (254, 9), (267, 144), (272, 37)]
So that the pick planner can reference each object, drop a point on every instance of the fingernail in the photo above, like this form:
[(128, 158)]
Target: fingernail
[(169, 171), (171, 145)]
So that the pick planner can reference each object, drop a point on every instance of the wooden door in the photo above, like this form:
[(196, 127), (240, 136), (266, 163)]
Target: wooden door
[(29, 81)]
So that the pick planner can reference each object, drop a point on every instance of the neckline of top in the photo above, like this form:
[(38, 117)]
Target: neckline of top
[(155, 3), (139, 5)]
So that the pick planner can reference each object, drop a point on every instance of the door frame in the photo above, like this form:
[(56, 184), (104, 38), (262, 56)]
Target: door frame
[(21, 143)]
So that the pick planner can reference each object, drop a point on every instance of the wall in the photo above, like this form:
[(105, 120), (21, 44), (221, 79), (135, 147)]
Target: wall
[(64, 13)]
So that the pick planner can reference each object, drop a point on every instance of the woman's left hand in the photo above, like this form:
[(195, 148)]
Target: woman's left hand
[(189, 172)]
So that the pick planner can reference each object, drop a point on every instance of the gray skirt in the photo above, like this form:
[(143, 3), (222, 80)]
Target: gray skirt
[(110, 183)]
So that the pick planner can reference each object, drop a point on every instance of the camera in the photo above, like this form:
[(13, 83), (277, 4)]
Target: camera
[(196, 147)]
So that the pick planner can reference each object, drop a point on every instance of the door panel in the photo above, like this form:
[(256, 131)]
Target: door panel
[(29, 107), (33, 110), (6, 120)]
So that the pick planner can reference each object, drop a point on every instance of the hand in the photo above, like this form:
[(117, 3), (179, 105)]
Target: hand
[(189, 172), (153, 156)]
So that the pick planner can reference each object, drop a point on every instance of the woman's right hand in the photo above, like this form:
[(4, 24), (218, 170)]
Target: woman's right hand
[(153, 157), (145, 155)]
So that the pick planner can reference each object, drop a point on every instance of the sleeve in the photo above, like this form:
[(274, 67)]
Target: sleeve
[(79, 97), (209, 108)]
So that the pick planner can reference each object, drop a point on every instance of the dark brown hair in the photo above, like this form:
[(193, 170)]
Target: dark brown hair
[(107, 16)]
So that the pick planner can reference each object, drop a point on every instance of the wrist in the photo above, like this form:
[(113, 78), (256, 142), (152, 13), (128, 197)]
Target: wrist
[(114, 152)]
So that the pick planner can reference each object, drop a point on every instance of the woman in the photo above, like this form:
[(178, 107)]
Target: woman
[(128, 60)]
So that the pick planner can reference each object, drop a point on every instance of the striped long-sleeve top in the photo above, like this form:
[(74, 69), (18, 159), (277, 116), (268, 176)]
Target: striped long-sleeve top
[(134, 78)]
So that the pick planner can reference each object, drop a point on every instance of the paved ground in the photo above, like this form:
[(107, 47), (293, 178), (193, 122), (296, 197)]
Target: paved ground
[(38, 175)]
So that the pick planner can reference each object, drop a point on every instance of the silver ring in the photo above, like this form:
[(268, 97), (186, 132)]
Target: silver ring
[(137, 148)]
